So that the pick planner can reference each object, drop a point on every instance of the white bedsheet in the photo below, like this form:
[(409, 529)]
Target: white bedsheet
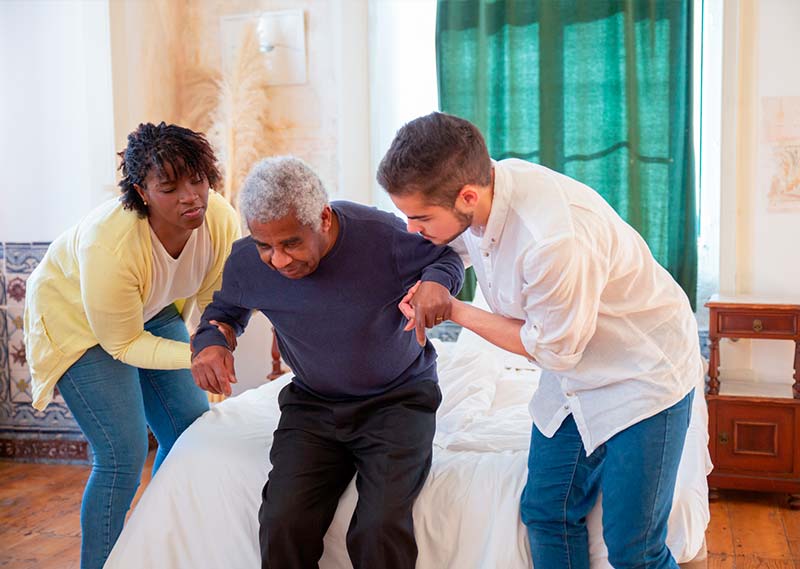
[(200, 511)]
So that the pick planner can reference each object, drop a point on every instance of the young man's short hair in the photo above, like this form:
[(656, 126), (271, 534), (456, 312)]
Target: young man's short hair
[(435, 155)]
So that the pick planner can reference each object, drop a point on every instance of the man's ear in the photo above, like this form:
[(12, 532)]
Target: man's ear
[(469, 196), (327, 218)]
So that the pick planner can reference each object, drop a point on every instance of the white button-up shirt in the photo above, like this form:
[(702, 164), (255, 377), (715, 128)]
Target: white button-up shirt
[(614, 333)]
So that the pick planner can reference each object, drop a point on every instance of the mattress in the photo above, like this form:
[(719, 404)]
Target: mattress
[(201, 510)]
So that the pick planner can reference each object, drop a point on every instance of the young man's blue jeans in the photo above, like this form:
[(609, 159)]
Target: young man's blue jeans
[(113, 403), (635, 470)]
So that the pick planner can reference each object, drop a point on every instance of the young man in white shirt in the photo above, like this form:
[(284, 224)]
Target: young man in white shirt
[(576, 289)]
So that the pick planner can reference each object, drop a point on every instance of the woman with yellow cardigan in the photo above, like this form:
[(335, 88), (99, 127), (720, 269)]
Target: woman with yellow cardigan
[(103, 317)]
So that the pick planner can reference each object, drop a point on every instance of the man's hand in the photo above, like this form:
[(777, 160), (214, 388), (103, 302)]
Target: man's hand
[(213, 370), (426, 304)]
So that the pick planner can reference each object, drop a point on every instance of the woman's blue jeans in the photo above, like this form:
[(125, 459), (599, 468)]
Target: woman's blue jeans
[(635, 470), (113, 403)]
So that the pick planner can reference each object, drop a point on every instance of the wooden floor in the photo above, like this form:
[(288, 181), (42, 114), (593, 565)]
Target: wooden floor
[(40, 522)]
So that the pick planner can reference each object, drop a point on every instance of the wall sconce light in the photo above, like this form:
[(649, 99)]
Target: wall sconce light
[(281, 40)]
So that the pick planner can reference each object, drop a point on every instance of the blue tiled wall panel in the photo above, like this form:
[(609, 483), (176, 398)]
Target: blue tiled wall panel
[(17, 417)]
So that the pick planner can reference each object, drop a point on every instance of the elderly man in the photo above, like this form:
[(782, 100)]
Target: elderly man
[(574, 287), (364, 396)]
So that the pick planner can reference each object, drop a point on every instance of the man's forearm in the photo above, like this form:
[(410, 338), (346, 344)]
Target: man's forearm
[(499, 330)]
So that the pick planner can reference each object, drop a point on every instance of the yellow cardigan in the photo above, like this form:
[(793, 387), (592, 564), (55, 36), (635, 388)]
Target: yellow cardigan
[(90, 289)]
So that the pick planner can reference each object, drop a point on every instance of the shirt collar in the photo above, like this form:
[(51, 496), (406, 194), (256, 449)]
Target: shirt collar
[(501, 202)]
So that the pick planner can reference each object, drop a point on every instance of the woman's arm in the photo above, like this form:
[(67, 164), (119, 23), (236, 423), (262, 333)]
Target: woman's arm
[(111, 292)]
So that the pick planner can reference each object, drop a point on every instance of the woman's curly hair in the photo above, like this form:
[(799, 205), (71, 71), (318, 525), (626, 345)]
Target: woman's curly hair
[(151, 146)]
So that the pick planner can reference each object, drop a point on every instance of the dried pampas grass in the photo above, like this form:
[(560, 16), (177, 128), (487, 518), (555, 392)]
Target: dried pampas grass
[(199, 97), (199, 82), (240, 127)]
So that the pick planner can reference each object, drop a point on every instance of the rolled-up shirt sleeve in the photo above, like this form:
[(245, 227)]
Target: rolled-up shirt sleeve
[(562, 284)]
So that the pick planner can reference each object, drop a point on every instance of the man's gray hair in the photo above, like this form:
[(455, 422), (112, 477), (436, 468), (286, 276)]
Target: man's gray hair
[(280, 186)]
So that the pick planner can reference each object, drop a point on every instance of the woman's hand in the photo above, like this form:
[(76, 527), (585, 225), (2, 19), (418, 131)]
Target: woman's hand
[(227, 331)]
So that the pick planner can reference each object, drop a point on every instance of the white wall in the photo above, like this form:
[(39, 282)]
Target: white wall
[(775, 236), (402, 69), (56, 118), (759, 248)]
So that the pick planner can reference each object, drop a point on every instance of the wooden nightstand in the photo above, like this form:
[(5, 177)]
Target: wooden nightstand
[(754, 440)]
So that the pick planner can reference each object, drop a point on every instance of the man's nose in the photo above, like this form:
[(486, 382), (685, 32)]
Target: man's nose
[(280, 259)]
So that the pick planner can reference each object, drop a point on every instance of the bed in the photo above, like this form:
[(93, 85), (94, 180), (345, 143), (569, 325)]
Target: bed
[(200, 510)]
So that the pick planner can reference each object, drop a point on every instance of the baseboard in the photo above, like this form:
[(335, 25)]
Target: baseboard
[(51, 450)]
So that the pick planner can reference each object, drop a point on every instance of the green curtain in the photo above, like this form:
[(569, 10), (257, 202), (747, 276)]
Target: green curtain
[(600, 90)]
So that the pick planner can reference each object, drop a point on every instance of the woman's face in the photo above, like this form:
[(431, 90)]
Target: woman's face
[(176, 203)]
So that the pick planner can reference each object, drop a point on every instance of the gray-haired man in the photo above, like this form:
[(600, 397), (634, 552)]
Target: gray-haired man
[(364, 396)]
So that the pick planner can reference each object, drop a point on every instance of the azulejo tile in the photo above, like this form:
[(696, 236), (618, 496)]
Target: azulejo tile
[(16, 355), (14, 320), (3, 339), (15, 338), (5, 372), (15, 289), (22, 258), (54, 419), (20, 385), (2, 275)]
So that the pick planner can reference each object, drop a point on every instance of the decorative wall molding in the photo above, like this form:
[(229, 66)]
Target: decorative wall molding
[(69, 450)]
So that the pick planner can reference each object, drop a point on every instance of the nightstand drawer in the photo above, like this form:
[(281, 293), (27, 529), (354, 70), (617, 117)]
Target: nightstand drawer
[(754, 437), (757, 324)]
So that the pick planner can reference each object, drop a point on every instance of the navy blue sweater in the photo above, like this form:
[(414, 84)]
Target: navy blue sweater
[(339, 328)]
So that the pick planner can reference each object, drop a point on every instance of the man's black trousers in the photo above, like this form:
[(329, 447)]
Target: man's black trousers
[(317, 448)]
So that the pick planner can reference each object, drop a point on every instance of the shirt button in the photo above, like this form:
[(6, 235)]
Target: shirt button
[(486, 253), (566, 406), (570, 394)]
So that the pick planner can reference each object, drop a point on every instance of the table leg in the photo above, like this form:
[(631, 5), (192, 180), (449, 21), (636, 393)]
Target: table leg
[(713, 366), (796, 386), (277, 369)]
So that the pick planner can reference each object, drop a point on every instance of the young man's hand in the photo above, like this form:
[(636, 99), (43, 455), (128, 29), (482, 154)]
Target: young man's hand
[(426, 304), (213, 370)]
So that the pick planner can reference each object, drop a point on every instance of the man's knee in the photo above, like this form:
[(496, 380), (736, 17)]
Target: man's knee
[(383, 523), (536, 510)]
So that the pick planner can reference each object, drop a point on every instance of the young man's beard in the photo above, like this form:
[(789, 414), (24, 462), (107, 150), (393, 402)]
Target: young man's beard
[(464, 219)]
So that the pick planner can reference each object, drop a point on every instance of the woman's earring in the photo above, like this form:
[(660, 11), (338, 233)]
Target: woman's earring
[(145, 203)]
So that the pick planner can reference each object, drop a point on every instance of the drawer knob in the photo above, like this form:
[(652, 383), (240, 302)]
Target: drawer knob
[(723, 438), (757, 325)]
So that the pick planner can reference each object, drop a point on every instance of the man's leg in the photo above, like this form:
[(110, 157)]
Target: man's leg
[(638, 485), (310, 470), (391, 437), (561, 489)]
